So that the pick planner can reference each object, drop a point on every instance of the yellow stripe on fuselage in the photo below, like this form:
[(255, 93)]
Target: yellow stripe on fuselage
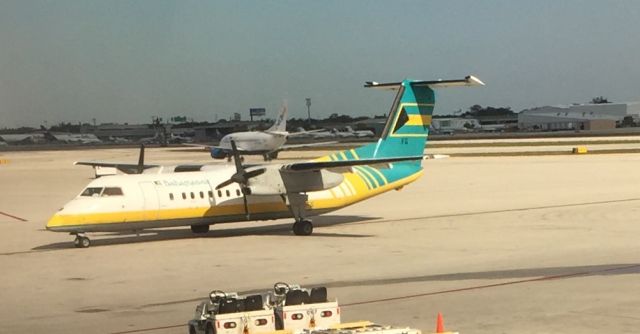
[(362, 194), (379, 173), (355, 155), (361, 175), (60, 220), (365, 171)]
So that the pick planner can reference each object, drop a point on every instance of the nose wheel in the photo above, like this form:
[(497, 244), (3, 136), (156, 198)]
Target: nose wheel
[(81, 241), (303, 227)]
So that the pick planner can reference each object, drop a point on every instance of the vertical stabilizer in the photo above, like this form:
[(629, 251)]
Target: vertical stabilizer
[(281, 122), (407, 127)]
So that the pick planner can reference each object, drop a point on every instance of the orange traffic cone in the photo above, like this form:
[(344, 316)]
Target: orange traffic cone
[(439, 324)]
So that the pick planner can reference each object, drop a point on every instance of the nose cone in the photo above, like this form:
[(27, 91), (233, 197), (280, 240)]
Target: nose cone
[(56, 222), (64, 221)]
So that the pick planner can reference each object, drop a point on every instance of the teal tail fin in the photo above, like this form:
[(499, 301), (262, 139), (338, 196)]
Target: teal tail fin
[(407, 127)]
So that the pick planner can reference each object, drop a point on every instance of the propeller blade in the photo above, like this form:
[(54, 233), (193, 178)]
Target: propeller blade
[(236, 156), (141, 160), (225, 183), (254, 173)]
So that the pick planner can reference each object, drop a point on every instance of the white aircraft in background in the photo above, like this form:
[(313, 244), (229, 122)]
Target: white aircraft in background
[(153, 196), (266, 143), (342, 134), (359, 133), (315, 134)]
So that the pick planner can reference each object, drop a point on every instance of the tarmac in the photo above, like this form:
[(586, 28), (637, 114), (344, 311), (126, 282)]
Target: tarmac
[(525, 244)]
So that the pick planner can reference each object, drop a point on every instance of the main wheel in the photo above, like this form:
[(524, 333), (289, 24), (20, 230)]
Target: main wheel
[(303, 227), (82, 242), (199, 228)]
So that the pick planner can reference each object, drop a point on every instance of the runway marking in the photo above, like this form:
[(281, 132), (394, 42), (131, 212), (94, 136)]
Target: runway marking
[(426, 294), (12, 216)]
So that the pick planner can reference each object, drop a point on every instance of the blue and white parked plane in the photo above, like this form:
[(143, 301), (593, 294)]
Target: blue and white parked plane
[(202, 195), (266, 143)]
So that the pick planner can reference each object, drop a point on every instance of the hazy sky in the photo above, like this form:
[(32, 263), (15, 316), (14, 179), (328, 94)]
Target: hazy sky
[(125, 61)]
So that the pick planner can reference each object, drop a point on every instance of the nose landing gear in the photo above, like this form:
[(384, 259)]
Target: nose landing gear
[(81, 241)]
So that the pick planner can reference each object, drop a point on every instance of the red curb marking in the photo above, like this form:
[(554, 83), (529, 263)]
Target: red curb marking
[(12, 216)]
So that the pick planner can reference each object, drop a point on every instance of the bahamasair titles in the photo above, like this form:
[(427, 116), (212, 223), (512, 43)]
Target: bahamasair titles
[(152, 196)]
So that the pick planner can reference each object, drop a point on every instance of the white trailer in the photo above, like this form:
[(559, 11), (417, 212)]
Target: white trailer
[(287, 307)]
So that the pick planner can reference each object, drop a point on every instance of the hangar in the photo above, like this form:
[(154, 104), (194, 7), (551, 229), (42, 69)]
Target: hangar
[(577, 116)]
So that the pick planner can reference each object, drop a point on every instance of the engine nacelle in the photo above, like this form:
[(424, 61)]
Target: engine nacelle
[(279, 182), (218, 153)]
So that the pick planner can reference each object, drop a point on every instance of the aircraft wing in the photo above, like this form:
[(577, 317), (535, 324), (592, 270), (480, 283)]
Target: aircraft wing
[(316, 165), (277, 133), (291, 147), (127, 168), (211, 147), (305, 132)]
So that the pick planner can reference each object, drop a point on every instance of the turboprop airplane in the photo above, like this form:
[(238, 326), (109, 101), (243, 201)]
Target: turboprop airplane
[(202, 195), (266, 143)]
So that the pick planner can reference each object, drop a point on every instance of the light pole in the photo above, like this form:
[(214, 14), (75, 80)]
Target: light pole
[(308, 99)]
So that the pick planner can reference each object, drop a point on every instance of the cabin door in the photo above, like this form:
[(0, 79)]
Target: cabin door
[(150, 196)]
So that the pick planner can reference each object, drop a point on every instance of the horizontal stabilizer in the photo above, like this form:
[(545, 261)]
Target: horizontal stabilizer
[(469, 80), (316, 165)]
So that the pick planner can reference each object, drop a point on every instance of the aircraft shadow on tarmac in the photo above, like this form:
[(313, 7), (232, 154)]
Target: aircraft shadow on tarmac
[(544, 273), (116, 238)]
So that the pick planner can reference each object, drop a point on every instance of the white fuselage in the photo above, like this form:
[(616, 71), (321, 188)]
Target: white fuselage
[(254, 141), (163, 198)]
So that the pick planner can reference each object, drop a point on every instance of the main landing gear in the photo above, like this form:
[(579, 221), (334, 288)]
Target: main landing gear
[(297, 203), (81, 241), (303, 227)]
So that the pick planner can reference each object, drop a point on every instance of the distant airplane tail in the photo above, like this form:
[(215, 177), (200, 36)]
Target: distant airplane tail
[(281, 122), (407, 127)]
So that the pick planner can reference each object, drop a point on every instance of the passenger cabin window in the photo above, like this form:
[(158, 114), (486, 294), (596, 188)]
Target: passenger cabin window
[(171, 196), (92, 192), (228, 193), (192, 196), (238, 192), (219, 193), (210, 194), (184, 196), (112, 191), (201, 194)]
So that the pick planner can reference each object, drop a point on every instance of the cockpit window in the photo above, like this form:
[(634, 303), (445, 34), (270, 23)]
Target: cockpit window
[(92, 192), (104, 192), (112, 191)]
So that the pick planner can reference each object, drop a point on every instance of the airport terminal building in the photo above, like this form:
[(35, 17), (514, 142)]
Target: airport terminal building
[(577, 117)]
